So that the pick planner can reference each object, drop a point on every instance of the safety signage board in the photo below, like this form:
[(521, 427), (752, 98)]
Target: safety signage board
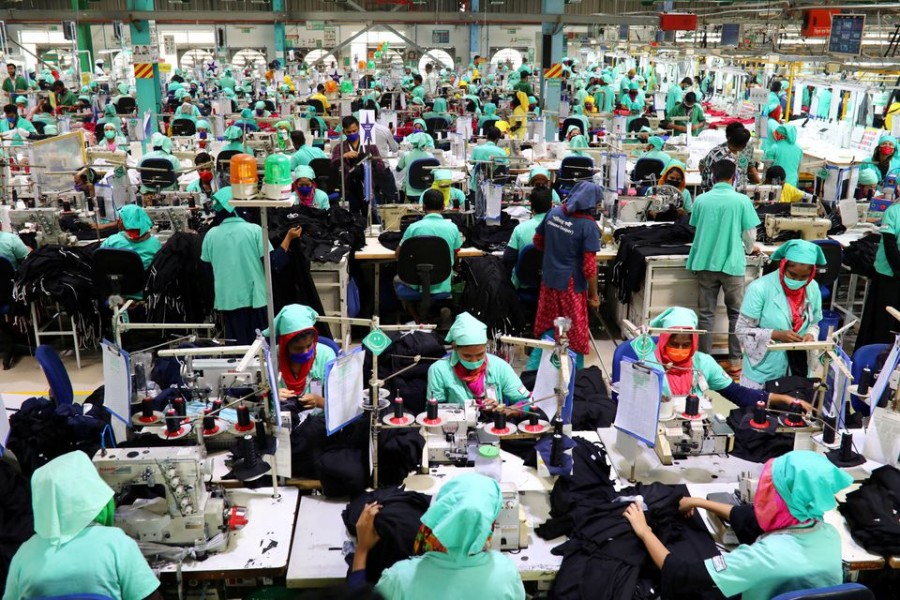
[(145, 53), (553, 72), (143, 71)]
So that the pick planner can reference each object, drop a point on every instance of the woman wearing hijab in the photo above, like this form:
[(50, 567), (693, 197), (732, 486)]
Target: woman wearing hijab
[(203, 184), (74, 514), (886, 159), (675, 175), (783, 527), (539, 177), (570, 241), (519, 120), (783, 306), (453, 548), (471, 372), (111, 140), (301, 358), (785, 153), (234, 139), (304, 154), (421, 127), (110, 116), (443, 182), (576, 141), (884, 288), (316, 124), (305, 191), (134, 234), (419, 142), (654, 151), (439, 111), (259, 110), (689, 371), (577, 112), (488, 115), (186, 110), (246, 122)]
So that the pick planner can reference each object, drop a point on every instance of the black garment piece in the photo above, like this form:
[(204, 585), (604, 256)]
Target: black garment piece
[(872, 512), (490, 296), (591, 405), (491, 238), (410, 385), (327, 234), (859, 256), (294, 284), (891, 252), (399, 453), (397, 523), (16, 517), (179, 289), (680, 573), (636, 244), (795, 386), (390, 239), (752, 444), (744, 524)]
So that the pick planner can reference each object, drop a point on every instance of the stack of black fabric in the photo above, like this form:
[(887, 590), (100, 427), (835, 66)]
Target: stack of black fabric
[(859, 256), (872, 512), (16, 518), (327, 234), (64, 275), (490, 296), (411, 385), (179, 288), (492, 237), (636, 244)]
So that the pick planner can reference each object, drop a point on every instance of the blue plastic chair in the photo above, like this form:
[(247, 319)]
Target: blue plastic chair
[(56, 374), (331, 344), (827, 276), (864, 357), (845, 591), (623, 351)]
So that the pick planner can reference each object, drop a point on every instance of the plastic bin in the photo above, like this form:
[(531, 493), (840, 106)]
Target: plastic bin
[(830, 320)]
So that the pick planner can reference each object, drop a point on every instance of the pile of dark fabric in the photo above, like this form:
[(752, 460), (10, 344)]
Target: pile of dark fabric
[(397, 524), (592, 407), (390, 239), (294, 284), (603, 558), (179, 288), (42, 430), (636, 244), (859, 256), (411, 385), (872, 512), (16, 518), (64, 275), (327, 234), (491, 237), (490, 296)]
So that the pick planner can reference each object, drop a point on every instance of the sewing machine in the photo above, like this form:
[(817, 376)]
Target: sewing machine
[(449, 442), (511, 526), (184, 513), (42, 221), (633, 209), (191, 199), (116, 157), (763, 193), (810, 227), (260, 143), (695, 432)]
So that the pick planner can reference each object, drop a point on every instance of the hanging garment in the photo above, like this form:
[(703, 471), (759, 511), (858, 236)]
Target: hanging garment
[(179, 289), (490, 297), (638, 243)]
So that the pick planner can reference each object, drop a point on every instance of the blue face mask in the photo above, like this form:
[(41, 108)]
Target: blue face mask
[(793, 284), (352, 137), (302, 357), (203, 135), (260, 111), (305, 189), (471, 365), (11, 120)]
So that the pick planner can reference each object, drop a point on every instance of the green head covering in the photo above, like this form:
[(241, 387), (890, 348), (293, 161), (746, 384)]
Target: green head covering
[(163, 143), (572, 128), (868, 177), (422, 123), (221, 200), (246, 114), (180, 93), (532, 100), (442, 175), (303, 171), (807, 482), (535, 171), (203, 124), (579, 141), (418, 92), (655, 141), (135, 217), (228, 92), (467, 331), (420, 141), (175, 86), (178, 72), (283, 125), (577, 109), (800, 251), (417, 101), (85, 98), (633, 86), (490, 109), (260, 105), (888, 139), (789, 132), (21, 100), (109, 111), (293, 318), (84, 90), (677, 316), (440, 105), (67, 495), (463, 514), (233, 133)]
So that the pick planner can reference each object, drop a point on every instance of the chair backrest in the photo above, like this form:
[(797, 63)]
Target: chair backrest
[(568, 123), (636, 124), (270, 106), (862, 358), (844, 591), (56, 374), (488, 123), (7, 281), (324, 173), (418, 176), (320, 108), (118, 271), (163, 175), (436, 125), (834, 254), (183, 127), (647, 170), (428, 251), (623, 351), (223, 158), (39, 126), (576, 168), (330, 343), (529, 267), (126, 105)]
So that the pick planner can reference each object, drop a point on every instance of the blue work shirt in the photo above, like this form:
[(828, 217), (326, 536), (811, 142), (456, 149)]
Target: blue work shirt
[(566, 239)]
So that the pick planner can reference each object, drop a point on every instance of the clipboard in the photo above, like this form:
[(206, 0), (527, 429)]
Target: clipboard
[(344, 390), (640, 393)]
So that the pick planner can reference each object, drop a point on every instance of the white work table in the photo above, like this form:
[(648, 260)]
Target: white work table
[(260, 549)]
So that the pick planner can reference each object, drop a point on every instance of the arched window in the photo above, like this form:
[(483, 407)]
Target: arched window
[(320, 56), (251, 58), (193, 58), (437, 57), (508, 56)]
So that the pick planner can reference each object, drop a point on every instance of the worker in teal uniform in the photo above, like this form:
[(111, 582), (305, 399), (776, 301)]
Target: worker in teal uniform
[(488, 152), (420, 142), (301, 358), (234, 138), (523, 235), (633, 102), (439, 111), (539, 177), (577, 112), (260, 111), (885, 159), (877, 325), (162, 149), (235, 250), (246, 122), (110, 116), (74, 515), (654, 150), (488, 113), (316, 123), (785, 153), (689, 107), (443, 183), (576, 141), (134, 234), (725, 223), (783, 306), (452, 555), (227, 80), (823, 106), (421, 128), (604, 95), (15, 127), (187, 110), (675, 95), (784, 526), (771, 112), (203, 184), (689, 371), (432, 224), (304, 189), (675, 175), (304, 154), (471, 372), (12, 248)]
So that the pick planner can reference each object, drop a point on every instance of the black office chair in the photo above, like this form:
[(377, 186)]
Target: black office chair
[(223, 161), (162, 177), (529, 271), (499, 174), (126, 105), (317, 104), (270, 106), (471, 106), (419, 177), (647, 171), (828, 274), (7, 333), (573, 169), (568, 123), (437, 125), (636, 125), (482, 130), (422, 261), (118, 272), (323, 170), (183, 127), (39, 126)]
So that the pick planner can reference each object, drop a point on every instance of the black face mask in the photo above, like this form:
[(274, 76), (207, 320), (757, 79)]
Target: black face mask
[(674, 183)]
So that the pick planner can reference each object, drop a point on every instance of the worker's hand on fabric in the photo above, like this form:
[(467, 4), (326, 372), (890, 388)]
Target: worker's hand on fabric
[(294, 232), (312, 401), (594, 302), (285, 394), (756, 251), (351, 154), (809, 337), (366, 536), (635, 515), (785, 336), (686, 506)]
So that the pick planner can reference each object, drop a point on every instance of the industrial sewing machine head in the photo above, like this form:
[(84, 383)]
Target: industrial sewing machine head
[(448, 428), (260, 143), (764, 193), (810, 226), (168, 220), (161, 495), (689, 427), (44, 222)]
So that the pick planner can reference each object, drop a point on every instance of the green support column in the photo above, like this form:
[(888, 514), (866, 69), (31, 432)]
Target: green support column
[(85, 41), (280, 40), (149, 96), (474, 32), (552, 92)]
